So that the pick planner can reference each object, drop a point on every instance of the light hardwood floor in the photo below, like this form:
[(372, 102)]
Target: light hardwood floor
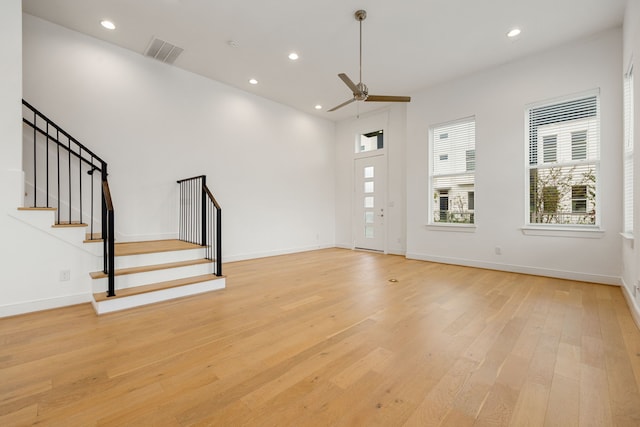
[(324, 338)]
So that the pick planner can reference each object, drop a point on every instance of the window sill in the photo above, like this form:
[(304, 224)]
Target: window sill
[(585, 233), (627, 236), (459, 228)]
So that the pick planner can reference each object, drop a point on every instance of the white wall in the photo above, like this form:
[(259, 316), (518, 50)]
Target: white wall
[(269, 166), (497, 98), (31, 259), (393, 121), (630, 252)]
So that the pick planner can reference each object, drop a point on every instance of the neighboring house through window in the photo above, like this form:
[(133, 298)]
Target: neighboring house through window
[(564, 160), (452, 172)]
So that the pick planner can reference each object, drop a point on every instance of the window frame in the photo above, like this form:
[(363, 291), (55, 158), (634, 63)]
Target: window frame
[(432, 158), (563, 230)]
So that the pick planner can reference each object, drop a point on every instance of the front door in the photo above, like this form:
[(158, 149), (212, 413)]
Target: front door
[(369, 203)]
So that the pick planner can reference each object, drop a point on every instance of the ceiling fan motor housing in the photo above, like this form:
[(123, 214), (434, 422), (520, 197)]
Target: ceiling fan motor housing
[(363, 92)]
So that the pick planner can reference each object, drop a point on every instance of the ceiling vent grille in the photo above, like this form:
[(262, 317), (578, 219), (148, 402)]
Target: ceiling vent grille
[(163, 51)]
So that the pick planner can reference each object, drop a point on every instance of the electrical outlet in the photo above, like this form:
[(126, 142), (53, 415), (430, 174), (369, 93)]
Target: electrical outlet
[(636, 289), (65, 275), (498, 250)]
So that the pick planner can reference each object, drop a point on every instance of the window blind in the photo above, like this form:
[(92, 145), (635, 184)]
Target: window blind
[(628, 152)]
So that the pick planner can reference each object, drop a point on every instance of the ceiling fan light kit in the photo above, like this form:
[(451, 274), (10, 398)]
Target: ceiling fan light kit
[(360, 90)]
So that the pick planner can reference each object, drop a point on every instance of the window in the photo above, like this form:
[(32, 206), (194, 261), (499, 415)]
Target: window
[(370, 141), (579, 145), (471, 160), (579, 198), (564, 159), (550, 148), (628, 152), (452, 182), (549, 200)]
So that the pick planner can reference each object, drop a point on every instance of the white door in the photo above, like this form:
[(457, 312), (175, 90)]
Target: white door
[(369, 203)]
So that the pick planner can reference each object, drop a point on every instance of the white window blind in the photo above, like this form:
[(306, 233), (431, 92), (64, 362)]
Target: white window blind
[(452, 171), (628, 152), (564, 159)]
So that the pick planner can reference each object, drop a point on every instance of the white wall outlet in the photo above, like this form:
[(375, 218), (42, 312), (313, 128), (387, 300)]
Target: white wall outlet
[(65, 275), (498, 250)]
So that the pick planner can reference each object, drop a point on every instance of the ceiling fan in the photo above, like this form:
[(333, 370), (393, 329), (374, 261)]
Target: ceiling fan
[(360, 90)]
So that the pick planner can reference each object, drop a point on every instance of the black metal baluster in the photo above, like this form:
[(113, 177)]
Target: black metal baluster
[(35, 165), (80, 180), (69, 174), (58, 171), (218, 241), (47, 159), (92, 184)]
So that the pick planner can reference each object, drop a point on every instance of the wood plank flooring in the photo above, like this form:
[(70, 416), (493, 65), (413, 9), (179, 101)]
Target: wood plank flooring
[(325, 339)]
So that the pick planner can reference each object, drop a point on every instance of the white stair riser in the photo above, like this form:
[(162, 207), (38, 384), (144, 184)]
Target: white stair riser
[(138, 279), (44, 221), (116, 304), (129, 261)]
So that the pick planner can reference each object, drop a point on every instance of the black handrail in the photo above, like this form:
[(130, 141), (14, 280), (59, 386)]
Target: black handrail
[(199, 210), (108, 244), (69, 155)]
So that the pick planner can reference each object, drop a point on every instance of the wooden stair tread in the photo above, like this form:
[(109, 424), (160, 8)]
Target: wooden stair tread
[(145, 268), (137, 290), (152, 246), (36, 209), (97, 238), (69, 224)]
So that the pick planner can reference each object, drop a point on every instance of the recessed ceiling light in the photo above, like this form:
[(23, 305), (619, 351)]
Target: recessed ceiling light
[(293, 56), (514, 32), (318, 107), (108, 25), (253, 81)]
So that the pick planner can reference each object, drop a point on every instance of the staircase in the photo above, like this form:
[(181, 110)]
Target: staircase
[(153, 271), (65, 200)]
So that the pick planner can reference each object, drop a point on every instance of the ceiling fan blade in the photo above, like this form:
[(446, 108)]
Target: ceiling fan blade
[(349, 82), (385, 98), (342, 105)]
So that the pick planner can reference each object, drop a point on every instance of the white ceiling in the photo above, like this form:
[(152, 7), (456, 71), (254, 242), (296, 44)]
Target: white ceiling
[(408, 44)]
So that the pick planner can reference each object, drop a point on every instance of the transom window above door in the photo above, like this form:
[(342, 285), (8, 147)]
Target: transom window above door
[(370, 141)]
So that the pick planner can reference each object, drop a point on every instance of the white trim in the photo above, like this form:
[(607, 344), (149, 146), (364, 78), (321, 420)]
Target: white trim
[(536, 271), (627, 236), (584, 233), (527, 167), (449, 226), (44, 304), (633, 305)]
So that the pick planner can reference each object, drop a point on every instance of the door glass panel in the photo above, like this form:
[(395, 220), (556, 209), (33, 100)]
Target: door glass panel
[(368, 202), (368, 217), (368, 231), (368, 187), (368, 172)]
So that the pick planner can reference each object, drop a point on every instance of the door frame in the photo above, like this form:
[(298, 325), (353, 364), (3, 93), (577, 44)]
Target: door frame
[(359, 156)]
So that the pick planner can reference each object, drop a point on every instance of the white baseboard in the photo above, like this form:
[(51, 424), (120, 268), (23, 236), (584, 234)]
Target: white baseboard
[(254, 255), (536, 271), (44, 304), (633, 305)]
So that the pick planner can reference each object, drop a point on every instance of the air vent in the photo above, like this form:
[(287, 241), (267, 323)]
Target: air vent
[(163, 51)]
